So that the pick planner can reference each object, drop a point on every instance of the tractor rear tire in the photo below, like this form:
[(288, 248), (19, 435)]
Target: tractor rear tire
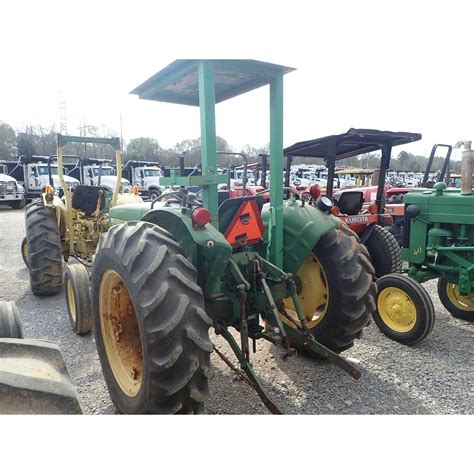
[(44, 249), (384, 251), (10, 324), (459, 306), (150, 326), (78, 298), (350, 291), (405, 312), (24, 252)]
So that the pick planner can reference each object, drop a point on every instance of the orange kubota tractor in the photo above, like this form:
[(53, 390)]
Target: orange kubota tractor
[(369, 223)]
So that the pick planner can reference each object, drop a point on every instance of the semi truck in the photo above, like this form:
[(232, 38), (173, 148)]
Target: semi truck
[(146, 175), (94, 172)]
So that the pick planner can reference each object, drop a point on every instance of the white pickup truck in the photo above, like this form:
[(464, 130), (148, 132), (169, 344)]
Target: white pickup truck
[(33, 173), (11, 192)]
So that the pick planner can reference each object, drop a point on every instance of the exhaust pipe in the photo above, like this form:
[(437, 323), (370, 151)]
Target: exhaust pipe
[(466, 168)]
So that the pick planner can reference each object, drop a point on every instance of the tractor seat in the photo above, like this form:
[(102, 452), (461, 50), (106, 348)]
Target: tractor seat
[(222, 195), (350, 202), (229, 207), (84, 198)]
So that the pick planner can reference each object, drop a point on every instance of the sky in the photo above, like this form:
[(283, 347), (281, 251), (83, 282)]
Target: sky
[(389, 65)]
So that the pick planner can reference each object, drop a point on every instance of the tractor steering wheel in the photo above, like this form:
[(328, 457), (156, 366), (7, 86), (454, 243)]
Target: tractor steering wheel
[(182, 197)]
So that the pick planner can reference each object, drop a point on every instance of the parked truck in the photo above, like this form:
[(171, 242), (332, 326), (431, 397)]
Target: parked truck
[(11, 192), (35, 172), (146, 175), (95, 172)]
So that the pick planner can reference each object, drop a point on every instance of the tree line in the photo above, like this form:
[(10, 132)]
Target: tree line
[(38, 140)]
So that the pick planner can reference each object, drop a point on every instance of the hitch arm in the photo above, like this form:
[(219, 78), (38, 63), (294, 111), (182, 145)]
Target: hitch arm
[(310, 343), (247, 367)]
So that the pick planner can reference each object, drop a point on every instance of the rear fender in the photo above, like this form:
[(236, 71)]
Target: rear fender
[(205, 247), (61, 215), (303, 226), (365, 236)]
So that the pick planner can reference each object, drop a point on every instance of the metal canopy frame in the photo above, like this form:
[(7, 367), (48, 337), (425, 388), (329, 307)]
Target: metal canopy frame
[(204, 83), (355, 141)]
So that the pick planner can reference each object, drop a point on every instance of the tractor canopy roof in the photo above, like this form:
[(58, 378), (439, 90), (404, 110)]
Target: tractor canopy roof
[(178, 82), (139, 163), (354, 171), (355, 141)]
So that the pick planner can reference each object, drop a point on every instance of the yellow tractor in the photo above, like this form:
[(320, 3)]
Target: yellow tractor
[(60, 228)]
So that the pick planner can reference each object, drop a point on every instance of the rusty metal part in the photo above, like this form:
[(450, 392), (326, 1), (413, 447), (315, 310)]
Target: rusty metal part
[(240, 373), (99, 202), (246, 366), (120, 333), (331, 356), (244, 330), (466, 168), (290, 351)]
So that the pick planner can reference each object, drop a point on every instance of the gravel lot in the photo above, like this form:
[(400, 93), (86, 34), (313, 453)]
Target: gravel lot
[(436, 377)]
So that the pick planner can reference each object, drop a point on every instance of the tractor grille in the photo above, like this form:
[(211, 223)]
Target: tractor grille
[(7, 187)]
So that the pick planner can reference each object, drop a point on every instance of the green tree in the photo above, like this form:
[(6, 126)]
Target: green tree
[(143, 148), (7, 142), (192, 150), (26, 141)]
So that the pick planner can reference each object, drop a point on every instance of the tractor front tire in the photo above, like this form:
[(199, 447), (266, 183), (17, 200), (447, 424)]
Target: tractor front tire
[(150, 326), (459, 306), (336, 289), (10, 324), (384, 251), (44, 249), (78, 298), (405, 312)]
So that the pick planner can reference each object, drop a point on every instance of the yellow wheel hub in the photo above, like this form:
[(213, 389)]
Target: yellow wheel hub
[(120, 333), (71, 302), (396, 309), (462, 302), (24, 249), (312, 291)]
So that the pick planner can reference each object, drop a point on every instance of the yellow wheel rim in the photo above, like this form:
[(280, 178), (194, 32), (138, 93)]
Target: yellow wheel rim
[(120, 333), (396, 309), (24, 249), (313, 293), (462, 302), (71, 302)]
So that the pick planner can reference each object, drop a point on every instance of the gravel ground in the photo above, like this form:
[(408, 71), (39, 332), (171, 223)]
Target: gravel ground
[(435, 377)]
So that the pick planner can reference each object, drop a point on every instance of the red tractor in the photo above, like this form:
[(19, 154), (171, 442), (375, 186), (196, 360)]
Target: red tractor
[(369, 223), (239, 184)]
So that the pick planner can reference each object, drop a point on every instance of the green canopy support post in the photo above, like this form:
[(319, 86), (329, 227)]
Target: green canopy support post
[(207, 105), (276, 170)]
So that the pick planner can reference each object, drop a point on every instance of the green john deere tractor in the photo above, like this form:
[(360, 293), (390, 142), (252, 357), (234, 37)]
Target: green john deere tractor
[(438, 242), (168, 270)]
